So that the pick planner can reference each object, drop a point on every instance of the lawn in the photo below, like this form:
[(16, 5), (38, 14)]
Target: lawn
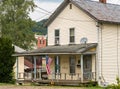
[(12, 86)]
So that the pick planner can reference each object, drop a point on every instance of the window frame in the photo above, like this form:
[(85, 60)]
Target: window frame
[(72, 37), (57, 37)]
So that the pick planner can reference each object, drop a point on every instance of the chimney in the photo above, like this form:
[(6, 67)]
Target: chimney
[(102, 1)]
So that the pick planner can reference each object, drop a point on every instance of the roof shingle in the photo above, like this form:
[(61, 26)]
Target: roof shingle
[(100, 12), (63, 49)]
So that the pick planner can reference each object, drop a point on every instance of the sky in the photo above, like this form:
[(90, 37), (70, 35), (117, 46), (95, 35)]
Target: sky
[(47, 7)]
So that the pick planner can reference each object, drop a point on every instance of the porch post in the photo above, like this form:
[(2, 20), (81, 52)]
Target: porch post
[(57, 64), (81, 67), (34, 67), (40, 68), (17, 68)]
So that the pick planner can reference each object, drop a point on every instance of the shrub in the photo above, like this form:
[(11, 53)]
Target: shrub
[(114, 86)]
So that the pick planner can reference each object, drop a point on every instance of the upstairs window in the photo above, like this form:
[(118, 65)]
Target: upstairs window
[(72, 35), (57, 33)]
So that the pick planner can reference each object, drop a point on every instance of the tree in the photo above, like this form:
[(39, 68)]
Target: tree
[(6, 60), (16, 23)]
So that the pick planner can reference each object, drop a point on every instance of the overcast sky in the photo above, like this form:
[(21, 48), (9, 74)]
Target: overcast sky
[(46, 7)]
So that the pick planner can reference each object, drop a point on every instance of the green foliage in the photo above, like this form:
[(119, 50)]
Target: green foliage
[(15, 22), (114, 86), (39, 28), (7, 61)]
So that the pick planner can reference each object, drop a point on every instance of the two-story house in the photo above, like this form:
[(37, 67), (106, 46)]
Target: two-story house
[(83, 42)]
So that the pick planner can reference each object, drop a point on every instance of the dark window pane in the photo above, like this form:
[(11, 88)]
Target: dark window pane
[(56, 37), (70, 6), (71, 31), (56, 40), (72, 35), (56, 32), (72, 39)]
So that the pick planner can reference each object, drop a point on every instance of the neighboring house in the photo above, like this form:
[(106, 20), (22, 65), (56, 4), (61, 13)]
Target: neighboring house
[(24, 66), (83, 41), (19, 62), (41, 41)]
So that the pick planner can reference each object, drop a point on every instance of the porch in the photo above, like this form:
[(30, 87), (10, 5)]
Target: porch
[(71, 64), (57, 79)]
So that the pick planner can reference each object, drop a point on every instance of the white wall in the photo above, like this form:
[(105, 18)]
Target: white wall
[(109, 52), (20, 67), (69, 18)]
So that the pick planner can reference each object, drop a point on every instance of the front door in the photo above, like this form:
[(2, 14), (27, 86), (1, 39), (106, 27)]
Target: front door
[(87, 67)]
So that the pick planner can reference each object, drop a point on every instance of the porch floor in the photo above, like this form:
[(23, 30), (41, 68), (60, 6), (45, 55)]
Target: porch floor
[(59, 82)]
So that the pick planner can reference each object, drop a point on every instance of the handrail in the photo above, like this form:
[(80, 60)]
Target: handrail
[(58, 76)]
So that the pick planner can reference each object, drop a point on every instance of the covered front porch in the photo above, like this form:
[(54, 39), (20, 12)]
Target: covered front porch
[(73, 64)]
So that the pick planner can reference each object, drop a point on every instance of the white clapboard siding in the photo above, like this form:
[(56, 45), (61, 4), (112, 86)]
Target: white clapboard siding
[(73, 18), (109, 54)]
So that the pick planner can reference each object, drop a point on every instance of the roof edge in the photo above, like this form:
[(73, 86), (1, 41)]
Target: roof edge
[(57, 12)]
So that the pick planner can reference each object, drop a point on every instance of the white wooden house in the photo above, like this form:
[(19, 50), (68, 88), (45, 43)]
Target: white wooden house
[(83, 41)]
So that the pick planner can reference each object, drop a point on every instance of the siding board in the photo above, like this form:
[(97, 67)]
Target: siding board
[(69, 18)]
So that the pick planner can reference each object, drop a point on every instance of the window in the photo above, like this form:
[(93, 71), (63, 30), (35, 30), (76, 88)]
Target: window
[(72, 64), (57, 37), (72, 35), (57, 64), (70, 6), (40, 42)]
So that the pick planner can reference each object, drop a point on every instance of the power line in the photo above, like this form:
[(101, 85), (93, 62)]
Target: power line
[(41, 12), (41, 17), (43, 9), (75, 19)]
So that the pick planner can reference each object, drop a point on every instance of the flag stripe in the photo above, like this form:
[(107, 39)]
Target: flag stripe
[(48, 63)]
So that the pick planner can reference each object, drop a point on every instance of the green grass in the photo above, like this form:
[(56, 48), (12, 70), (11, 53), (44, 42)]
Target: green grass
[(54, 87), (3, 84), (93, 87)]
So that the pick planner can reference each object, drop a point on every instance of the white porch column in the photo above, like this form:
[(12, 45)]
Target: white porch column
[(81, 67), (17, 69), (34, 67), (40, 70), (57, 64)]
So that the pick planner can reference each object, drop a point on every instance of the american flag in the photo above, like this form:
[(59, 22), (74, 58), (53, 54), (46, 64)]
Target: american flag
[(48, 63)]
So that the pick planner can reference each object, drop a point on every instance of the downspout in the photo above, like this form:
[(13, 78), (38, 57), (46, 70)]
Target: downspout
[(99, 53), (117, 49), (102, 82), (98, 50), (102, 77)]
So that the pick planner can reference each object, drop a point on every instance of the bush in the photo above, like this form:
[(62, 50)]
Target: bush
[(114, 86)]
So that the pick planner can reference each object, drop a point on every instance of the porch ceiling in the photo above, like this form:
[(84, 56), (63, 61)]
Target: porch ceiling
[(61, 49)]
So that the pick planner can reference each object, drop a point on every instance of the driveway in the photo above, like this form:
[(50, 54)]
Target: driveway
[(37, 87)]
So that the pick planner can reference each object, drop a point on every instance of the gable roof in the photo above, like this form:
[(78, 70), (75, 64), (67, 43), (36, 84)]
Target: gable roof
[(98, 11)]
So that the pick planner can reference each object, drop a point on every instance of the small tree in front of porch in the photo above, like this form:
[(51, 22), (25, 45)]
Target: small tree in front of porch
[(6, 60)]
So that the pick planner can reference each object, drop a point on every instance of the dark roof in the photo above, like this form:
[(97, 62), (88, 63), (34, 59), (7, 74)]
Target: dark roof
[(100, 12), (64, 49)]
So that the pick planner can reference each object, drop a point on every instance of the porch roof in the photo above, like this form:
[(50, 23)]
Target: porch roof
[(61, 49)]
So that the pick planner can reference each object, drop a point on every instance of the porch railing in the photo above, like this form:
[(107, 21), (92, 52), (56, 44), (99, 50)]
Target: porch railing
[(59, 76)]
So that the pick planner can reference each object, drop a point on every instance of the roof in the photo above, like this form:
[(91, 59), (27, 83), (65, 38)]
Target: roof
[(18, 49), (100, 12), (64, 49)]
